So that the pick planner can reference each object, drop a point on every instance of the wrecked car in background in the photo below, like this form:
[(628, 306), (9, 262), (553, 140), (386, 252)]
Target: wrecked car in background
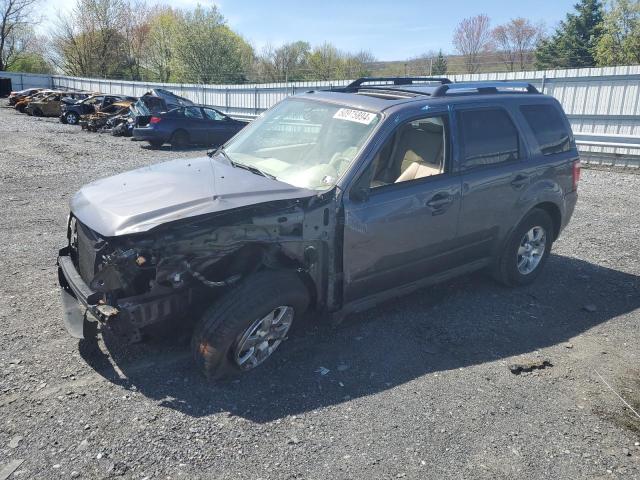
[(15, 97), (193, 125), (22, 104), (330, 201), (153, 102), (71, 113), (50, 105), (96, 121)]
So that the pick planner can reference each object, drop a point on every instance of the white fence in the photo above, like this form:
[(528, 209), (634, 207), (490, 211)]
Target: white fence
[(603, 104)]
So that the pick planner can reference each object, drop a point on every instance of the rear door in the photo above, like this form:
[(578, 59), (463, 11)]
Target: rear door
[(401, 215), (493, 162)]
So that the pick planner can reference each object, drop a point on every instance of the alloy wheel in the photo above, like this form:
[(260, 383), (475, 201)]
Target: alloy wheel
[(260, 340), (531, 250)]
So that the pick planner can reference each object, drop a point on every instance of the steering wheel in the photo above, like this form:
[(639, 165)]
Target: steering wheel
[(340, 161)]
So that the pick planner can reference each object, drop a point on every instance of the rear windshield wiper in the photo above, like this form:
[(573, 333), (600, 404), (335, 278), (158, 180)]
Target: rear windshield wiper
[(250, 168)]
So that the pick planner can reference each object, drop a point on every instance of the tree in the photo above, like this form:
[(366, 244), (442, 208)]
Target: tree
[(136, 34), (326, 63), (32, 59), (359, 64), (472, 38), (90, 41), (159, 52), (208, 51), (15, 29), (574, 42), (285, 63), (516, 41), (620, 41), (440, 65)]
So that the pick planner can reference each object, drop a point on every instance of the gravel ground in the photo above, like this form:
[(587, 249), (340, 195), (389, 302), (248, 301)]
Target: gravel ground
[(417, 388)]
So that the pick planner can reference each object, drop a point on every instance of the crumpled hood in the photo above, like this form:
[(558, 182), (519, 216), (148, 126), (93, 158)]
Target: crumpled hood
[(141, 199)]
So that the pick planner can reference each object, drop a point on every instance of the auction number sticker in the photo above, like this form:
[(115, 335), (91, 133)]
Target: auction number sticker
[(352, 115)]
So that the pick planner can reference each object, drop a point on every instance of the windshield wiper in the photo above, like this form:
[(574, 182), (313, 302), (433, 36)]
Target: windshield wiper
[(250, 168)]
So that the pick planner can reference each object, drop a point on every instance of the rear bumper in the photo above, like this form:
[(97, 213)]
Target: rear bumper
[(149, 135), (570, 200)]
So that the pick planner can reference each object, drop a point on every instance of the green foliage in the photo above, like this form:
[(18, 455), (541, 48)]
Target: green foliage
[(440, 65), (620, 41), (207, 51), (158, 56), (574, 43), (30, 63)]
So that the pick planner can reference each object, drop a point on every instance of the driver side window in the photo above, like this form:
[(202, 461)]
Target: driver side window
[(418, 149)]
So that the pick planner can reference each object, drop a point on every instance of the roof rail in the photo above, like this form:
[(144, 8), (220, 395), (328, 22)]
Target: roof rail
[(356, 84), (483, 87)]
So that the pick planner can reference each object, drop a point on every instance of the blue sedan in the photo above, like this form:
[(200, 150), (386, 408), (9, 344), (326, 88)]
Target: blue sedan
[(191, 125)]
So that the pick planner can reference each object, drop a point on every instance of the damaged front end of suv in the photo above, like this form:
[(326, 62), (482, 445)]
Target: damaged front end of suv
[(234, 245), (129, 282)]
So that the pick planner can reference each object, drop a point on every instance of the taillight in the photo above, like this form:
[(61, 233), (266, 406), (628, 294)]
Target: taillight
[(155, 120), (576, 174)]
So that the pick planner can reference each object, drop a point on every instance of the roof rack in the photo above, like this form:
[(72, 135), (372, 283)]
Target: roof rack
[(483, 87), (356, 84)]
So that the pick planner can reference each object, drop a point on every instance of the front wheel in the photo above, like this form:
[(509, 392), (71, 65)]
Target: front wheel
[(243, 329), (180, 139), (527, 250), (72, 118)]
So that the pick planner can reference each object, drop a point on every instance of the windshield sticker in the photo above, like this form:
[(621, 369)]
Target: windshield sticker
[(355, 116)]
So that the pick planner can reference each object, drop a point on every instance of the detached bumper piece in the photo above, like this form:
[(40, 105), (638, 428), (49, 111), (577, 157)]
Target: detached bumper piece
[(83, 307)]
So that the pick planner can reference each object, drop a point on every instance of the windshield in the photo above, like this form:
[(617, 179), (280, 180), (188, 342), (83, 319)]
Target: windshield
[(304, 143)]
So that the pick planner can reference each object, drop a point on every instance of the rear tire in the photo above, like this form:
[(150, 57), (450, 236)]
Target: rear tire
[(221, 340), (180, 139), (527, 250)]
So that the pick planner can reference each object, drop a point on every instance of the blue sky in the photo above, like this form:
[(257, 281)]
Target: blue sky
[(391, 30)]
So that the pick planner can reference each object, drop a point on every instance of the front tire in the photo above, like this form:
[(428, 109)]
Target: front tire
[(180, 139), (241, 330), (527, 250), (72, 118)]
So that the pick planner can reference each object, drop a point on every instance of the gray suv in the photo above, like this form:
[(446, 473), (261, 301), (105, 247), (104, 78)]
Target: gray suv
[(331, 201)]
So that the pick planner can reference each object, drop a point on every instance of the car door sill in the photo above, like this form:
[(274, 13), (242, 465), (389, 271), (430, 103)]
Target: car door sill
[(366, 303)]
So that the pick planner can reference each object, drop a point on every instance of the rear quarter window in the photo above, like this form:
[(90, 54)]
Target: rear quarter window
[(548, 127), (489, 137)]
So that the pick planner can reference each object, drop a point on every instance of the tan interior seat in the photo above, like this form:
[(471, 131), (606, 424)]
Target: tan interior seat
[(418, 170)]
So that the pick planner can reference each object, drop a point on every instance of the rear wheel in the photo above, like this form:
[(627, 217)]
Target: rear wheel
[(243, 329), (180, 139), (527, 250), (72, 118)]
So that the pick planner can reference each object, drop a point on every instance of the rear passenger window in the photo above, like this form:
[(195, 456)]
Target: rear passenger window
[(488, 137), (549, 129)]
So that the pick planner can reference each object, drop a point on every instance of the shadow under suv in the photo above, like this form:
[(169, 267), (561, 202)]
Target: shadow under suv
[(330, 201)]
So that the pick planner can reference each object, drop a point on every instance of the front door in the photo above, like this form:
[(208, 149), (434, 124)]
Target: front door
[(196, 125), (401, 216)]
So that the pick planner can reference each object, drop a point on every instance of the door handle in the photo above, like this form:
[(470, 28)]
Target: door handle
[(520, 181), (439, 202)]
